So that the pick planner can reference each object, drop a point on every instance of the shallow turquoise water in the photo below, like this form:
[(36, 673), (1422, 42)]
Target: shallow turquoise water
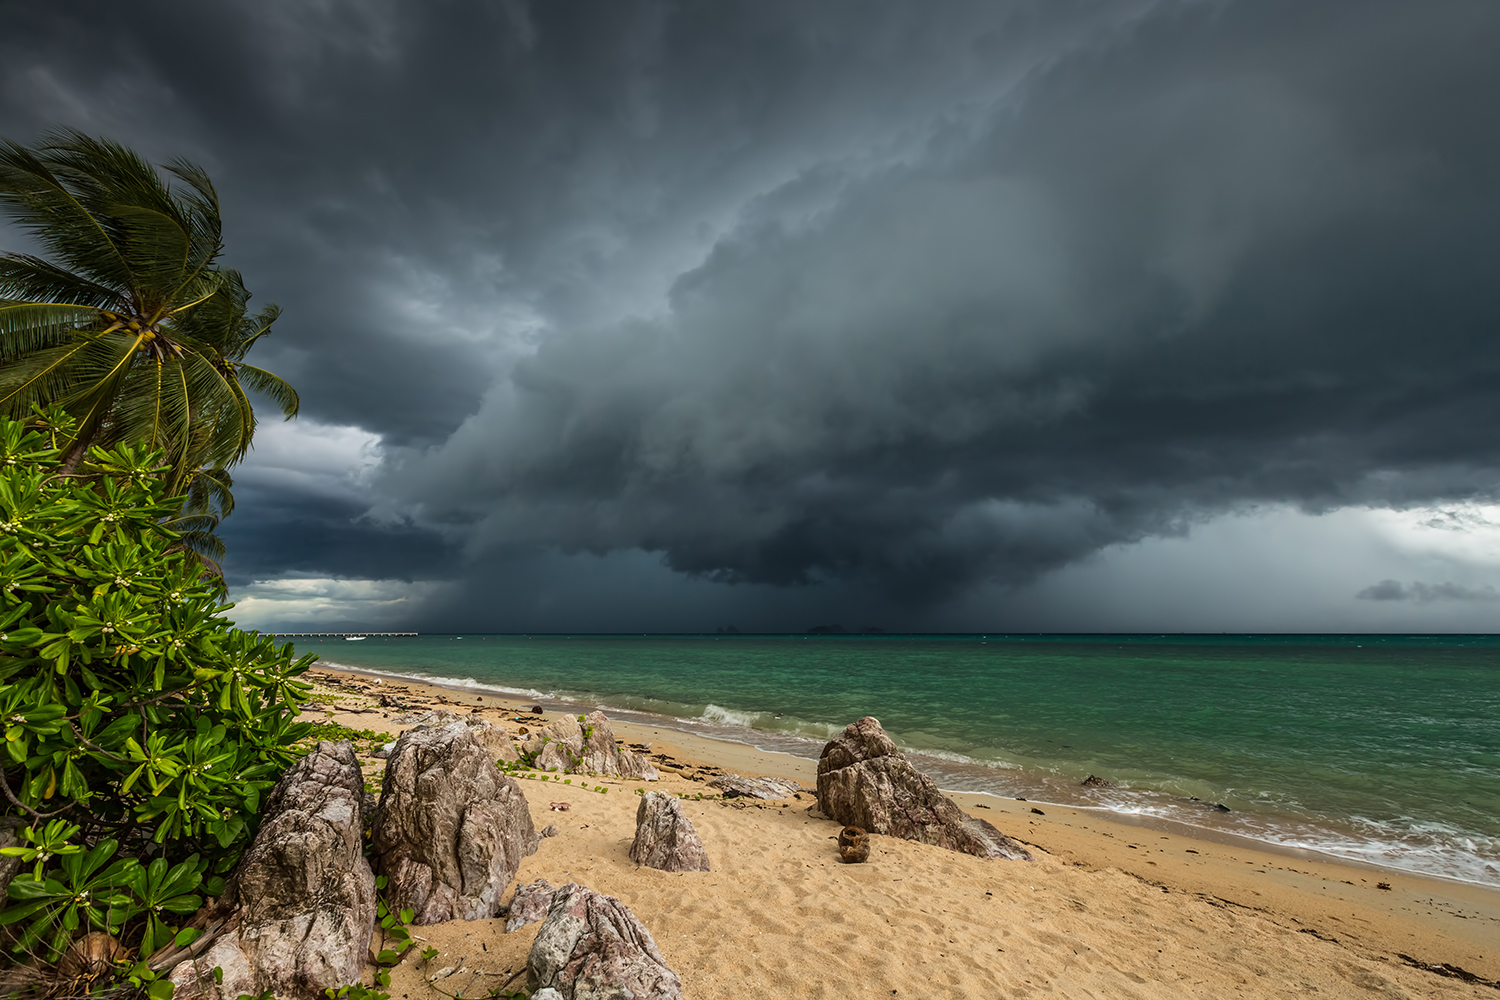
[(1382, 748)]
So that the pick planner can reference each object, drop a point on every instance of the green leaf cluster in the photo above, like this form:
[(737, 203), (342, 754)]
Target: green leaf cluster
[(141, 729)]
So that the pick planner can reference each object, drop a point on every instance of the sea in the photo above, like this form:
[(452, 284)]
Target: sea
[(1382, 749)]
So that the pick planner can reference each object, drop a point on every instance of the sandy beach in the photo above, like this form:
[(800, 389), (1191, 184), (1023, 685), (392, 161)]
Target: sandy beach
[(1107, 909)]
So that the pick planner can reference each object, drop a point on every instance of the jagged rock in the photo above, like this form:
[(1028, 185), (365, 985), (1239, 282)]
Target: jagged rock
[(451, 829), (305, 896), (530, 904), (550, 830), (765, 787), (591, 947), (547, 994), (665, 838), (383, 752), (494, 739), (865, 781), (590, 748), (1094, 781), (854, 846)]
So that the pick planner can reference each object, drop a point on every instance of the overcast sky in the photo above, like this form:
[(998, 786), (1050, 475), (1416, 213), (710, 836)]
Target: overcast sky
[(924, 316)]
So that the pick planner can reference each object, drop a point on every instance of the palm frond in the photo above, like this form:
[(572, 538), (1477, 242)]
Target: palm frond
[(273, 386), (39, 202), (159, 251), (34, 326), (31, 279), (39, 377)]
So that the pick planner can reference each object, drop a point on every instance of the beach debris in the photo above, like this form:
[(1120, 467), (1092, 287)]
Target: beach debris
[(304, 895), (591, 946), (560, 807), (427, 717), (1094, 781), (88, 958), (586, 747), (665, 838), (550, 830), (864, 780), (764, 787), (533, 710), (854, 846), (529, 905), (1037, 811), (451, 829)]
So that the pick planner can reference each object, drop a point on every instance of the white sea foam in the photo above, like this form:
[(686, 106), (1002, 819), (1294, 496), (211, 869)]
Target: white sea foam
[(457, 683), (1420, 848)]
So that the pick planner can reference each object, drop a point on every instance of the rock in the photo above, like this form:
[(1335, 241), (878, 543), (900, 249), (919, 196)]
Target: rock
[(8, 865), (451, 829), (591, 947), (550, 830), (854, 846), (383, 751), (305, 896), (590, 748), (1094, 781), (495, 739), (766, 787), (865, 781), (530, 904), (547, 994), (665, 838)]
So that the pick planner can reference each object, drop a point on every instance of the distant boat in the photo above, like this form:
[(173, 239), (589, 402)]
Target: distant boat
[(355, 638)]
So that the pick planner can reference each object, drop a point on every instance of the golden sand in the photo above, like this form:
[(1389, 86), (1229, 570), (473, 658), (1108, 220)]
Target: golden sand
[(1107, 909)]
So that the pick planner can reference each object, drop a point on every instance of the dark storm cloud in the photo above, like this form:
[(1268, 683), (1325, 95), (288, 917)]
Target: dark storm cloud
[(906, 297)]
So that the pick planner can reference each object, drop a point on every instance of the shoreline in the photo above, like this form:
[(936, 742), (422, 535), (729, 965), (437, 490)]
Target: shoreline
[(1385, 912), (935, 766)]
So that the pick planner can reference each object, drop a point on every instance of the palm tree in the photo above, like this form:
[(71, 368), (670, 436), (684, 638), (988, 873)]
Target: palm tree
[(129, 323)]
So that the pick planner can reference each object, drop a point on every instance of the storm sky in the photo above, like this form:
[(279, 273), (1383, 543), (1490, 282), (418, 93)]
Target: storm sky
[(985, 316)]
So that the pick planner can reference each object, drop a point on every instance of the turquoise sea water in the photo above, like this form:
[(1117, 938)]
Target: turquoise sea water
[(1379, 748)]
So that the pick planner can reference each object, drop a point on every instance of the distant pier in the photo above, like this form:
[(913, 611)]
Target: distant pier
[(335, 635)]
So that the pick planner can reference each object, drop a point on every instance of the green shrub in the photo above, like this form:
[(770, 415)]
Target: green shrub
[(141, 728)]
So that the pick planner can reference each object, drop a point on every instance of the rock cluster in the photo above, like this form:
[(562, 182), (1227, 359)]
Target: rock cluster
[(589, 747), (665, 838), (591, 947), (305, 894), (451, 829), (865, 781), (766, 787)]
